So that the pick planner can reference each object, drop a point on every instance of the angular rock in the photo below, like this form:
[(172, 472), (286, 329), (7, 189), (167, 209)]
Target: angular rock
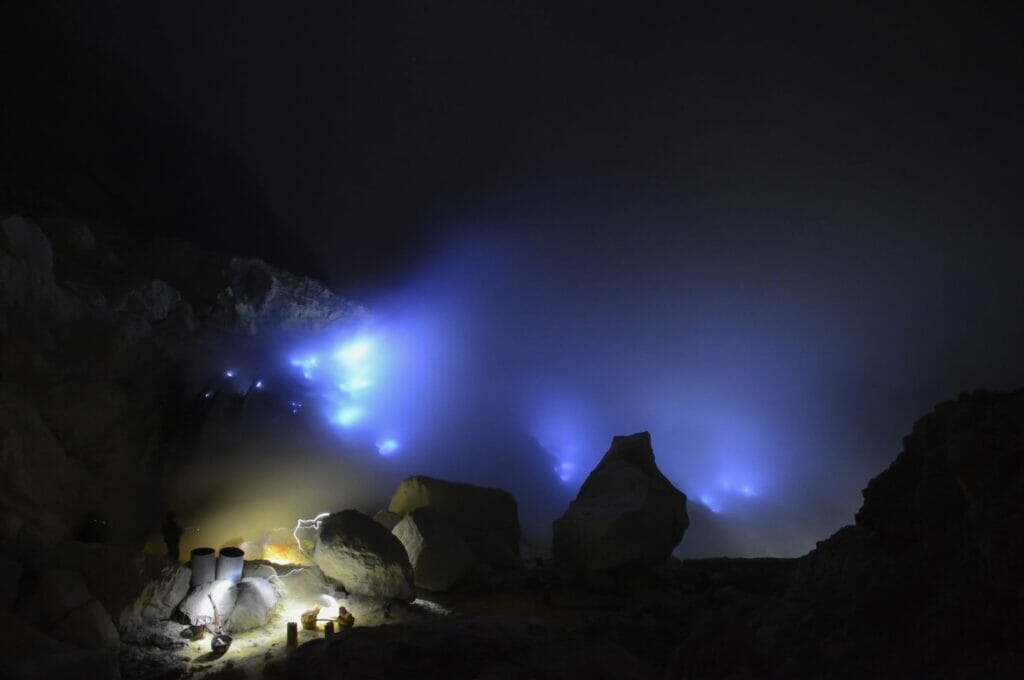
[(364, 556), (626, 513), (387, 519), (210, 603), (439, 556), (159, 597), (254, 606), (486, 518)]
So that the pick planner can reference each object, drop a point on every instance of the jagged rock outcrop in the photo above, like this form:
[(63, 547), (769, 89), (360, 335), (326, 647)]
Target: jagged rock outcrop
[(440, 557), (931, 575), (95, 346), (486, 518), (364, 556), (626, 513)]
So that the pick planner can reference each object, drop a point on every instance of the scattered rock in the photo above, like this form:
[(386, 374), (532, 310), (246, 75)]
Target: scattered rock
[(626, 513), (439, 556), (486, 518), (364, 556)]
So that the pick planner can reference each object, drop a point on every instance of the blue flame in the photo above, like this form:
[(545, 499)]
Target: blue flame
[(387, 447)]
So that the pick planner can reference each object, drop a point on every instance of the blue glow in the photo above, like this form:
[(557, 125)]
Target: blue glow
[(208, 394), (349, 416), (709, 503), (387, 447), (355, 384), (564, 470), (229, 373), (355, 352), (307, 364), (259, 384)]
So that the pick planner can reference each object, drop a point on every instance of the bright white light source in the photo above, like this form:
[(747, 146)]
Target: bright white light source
[(387, 447), (565, 470), (229, 373), (349, 415), (354, 352), (208, 394), (355, 384), (259, 384)]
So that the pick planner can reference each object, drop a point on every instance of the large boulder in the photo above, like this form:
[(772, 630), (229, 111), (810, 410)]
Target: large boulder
[(159, 596), (486, 518), (364, 556), (254, 606), (439, 556), (626, 514), (210, 602)]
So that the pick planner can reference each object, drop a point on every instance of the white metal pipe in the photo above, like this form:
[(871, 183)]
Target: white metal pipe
[(204, 565), (229, 564)]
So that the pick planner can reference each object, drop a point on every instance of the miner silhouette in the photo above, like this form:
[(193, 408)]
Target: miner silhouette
[(172, 536)]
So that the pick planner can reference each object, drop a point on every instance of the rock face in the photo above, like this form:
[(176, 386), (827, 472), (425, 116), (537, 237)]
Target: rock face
[(486, 518), (626, 513), (95, 352), (936, 545), (958, 484), (364, 556), (439, 556)]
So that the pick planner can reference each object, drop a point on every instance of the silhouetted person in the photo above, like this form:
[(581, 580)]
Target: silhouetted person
[(172, 536)]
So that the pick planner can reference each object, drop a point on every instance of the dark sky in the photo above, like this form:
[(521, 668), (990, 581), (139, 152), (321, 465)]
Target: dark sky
[(774, 234), (369, 127)]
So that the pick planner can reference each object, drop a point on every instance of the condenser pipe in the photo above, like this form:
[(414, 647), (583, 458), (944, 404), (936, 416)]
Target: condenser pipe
[(229, 564), (204, 565)]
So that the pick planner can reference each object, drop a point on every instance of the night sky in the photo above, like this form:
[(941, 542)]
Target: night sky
[(792, 222)]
